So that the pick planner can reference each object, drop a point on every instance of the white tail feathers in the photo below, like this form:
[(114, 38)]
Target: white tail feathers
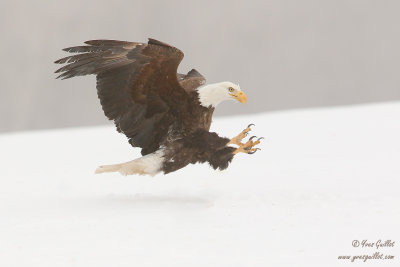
[(147, 165), (108, 168)]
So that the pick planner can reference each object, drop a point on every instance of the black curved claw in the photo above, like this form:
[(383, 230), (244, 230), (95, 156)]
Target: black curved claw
[(252, 152), (251, 124), (252, 137), (260, 138)]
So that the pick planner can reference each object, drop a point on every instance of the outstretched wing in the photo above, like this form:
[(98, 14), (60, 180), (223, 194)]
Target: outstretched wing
[(137, 85), (192, 80)]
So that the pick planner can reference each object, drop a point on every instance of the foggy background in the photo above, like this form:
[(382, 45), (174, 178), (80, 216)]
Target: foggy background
[(284, 54)]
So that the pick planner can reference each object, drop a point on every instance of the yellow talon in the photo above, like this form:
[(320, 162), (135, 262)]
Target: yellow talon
[(248, 147), (237, 139)]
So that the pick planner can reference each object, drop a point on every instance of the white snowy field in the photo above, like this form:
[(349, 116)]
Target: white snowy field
[(324, 178)]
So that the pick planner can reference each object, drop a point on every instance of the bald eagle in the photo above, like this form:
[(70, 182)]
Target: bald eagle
[(165, 113)]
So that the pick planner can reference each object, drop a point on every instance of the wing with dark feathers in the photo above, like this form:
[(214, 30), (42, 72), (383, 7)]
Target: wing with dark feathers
[(192, 80), (137, 85)]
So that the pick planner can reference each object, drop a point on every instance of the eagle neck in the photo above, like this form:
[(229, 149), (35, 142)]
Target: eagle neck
[(211, 95)]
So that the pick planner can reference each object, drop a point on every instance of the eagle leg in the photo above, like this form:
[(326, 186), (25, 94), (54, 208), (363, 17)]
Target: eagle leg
[(237, 140), (248, 147)]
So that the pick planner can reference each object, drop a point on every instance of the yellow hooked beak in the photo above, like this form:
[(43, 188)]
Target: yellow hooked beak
[(241, 97)]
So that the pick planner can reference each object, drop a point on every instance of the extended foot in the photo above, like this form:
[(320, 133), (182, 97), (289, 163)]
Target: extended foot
[(237, 140), (248, 147)]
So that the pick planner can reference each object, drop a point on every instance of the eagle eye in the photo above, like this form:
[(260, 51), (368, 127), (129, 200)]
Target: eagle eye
[(231, 89)]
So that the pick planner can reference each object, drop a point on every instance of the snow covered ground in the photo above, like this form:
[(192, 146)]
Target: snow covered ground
[(324, 178)]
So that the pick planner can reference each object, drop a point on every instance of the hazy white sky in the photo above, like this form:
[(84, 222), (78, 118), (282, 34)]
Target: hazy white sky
[(284, 54)]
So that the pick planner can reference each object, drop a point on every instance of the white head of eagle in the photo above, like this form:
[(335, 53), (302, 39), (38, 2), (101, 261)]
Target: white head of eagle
[(213, 94), (165, 113)]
